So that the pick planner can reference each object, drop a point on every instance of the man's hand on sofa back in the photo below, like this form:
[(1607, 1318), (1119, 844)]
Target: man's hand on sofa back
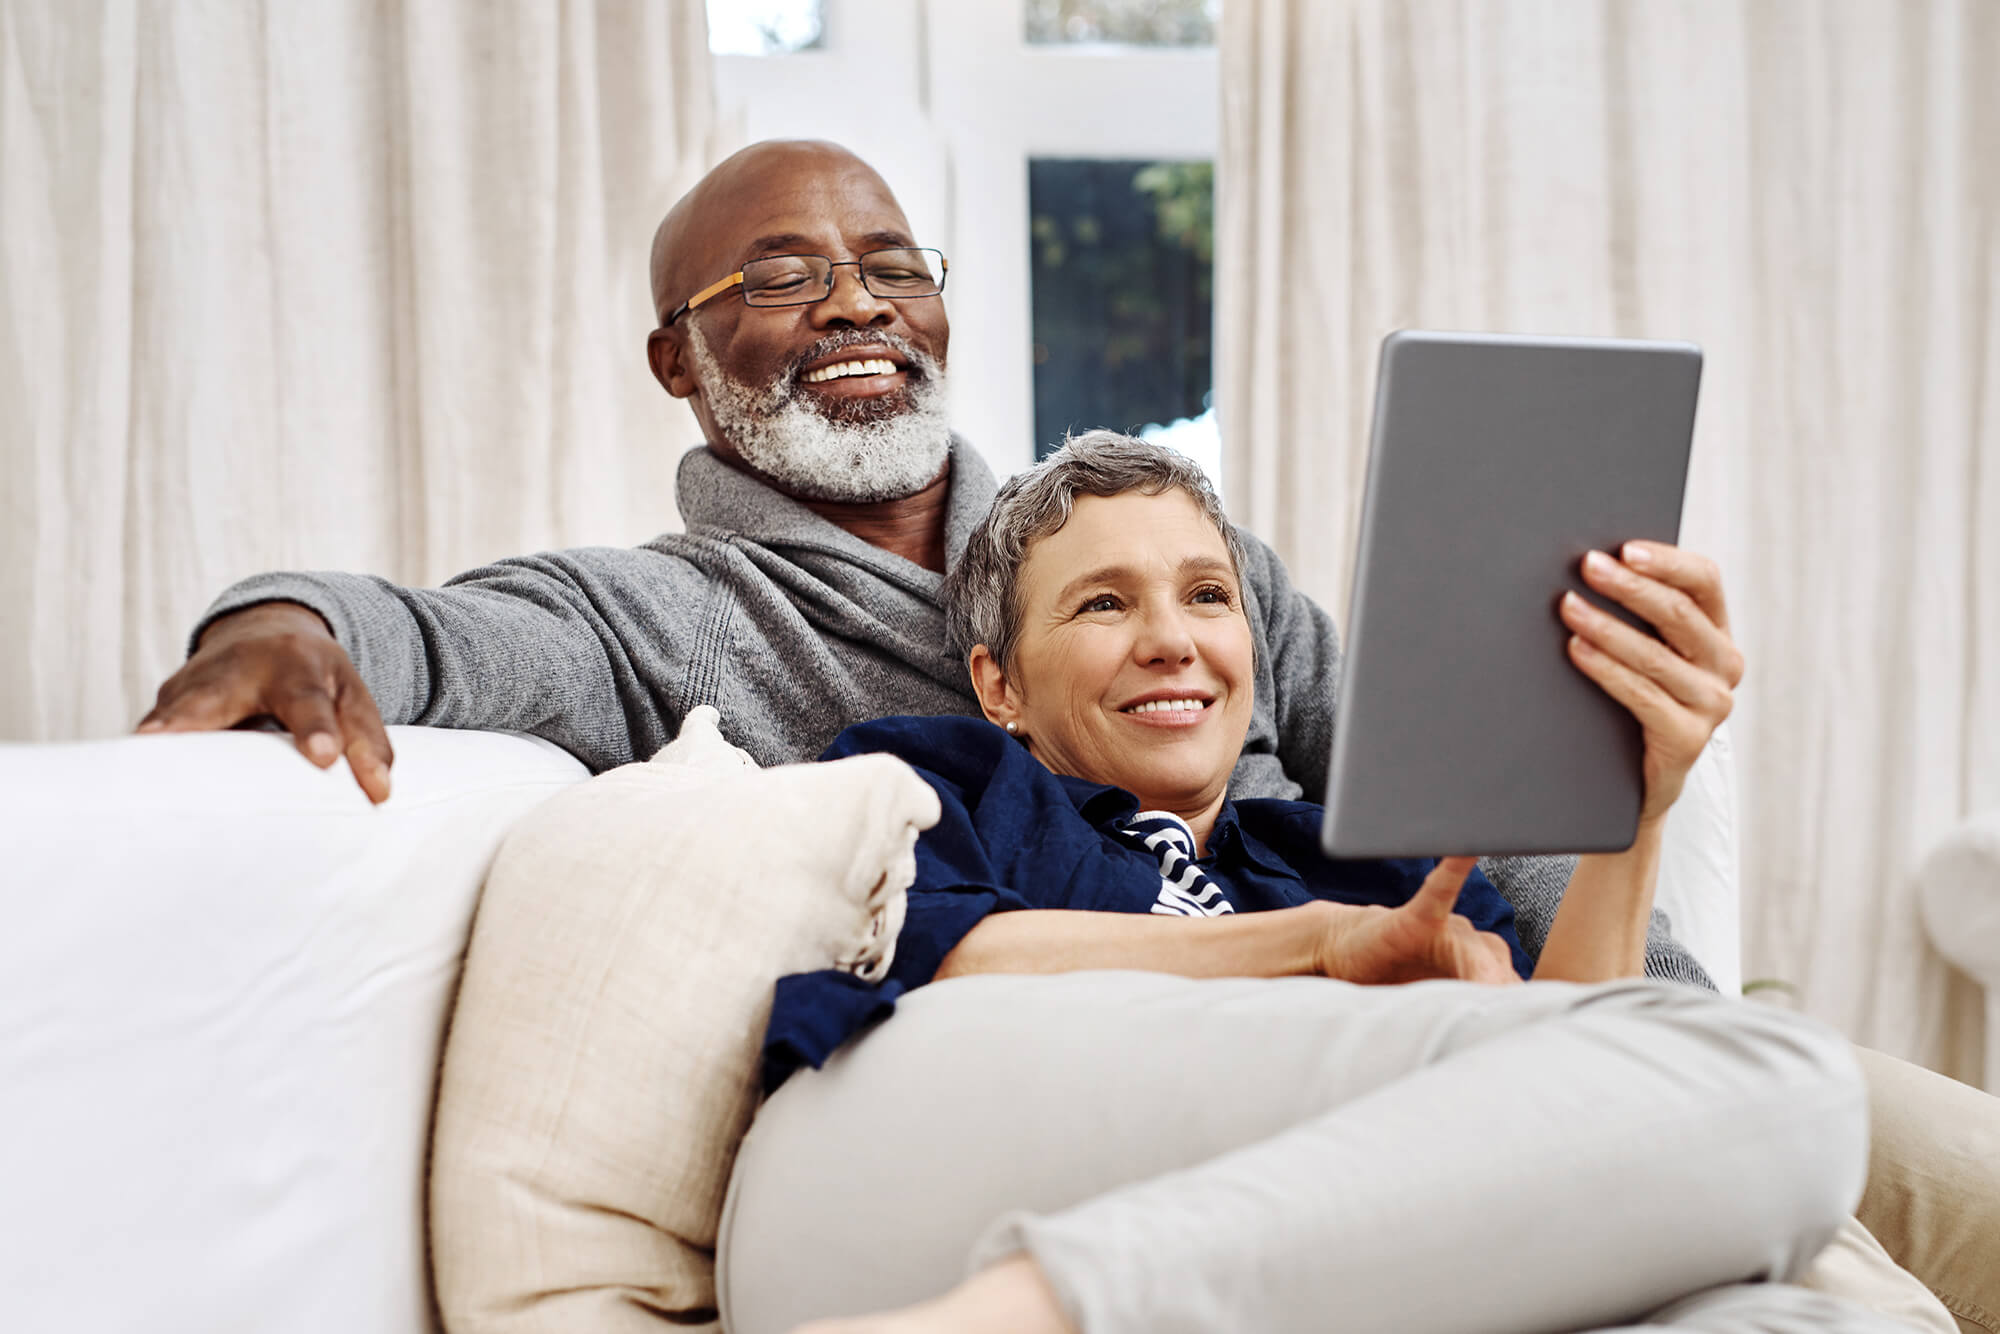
[(278, 660)]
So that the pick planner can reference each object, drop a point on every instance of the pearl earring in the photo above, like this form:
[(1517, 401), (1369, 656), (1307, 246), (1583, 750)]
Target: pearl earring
[(1013, 727)]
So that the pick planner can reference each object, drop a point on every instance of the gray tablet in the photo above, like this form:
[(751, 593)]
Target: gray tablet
[(1496, 463)]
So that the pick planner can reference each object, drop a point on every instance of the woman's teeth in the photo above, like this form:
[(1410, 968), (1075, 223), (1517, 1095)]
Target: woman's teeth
[(873, 366), (1164, 705)]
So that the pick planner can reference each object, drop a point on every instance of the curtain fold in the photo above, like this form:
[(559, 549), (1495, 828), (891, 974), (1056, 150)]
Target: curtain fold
[(345, 286), (1808, 189)]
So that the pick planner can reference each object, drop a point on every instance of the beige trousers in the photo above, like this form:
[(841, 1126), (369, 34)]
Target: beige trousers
[(1301, 1154), (1933, 1196)]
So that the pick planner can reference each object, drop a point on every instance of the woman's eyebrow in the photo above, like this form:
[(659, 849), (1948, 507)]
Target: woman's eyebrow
[(1103, 574), (1207, 565)]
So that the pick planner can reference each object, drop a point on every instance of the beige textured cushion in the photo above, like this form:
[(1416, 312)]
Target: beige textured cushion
[(602, 1061)]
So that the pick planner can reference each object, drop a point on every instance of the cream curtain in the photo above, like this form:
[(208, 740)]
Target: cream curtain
[(1808, 188), (348, 285)]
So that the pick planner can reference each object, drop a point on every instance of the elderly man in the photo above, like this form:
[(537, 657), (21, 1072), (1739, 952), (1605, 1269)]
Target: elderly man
[(803, 323)]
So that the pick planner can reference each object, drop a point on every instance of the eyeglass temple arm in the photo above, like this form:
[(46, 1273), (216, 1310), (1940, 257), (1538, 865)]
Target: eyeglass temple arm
[(707, 293)]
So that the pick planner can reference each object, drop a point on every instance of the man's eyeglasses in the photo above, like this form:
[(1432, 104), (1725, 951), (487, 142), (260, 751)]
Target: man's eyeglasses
[(894, 274)]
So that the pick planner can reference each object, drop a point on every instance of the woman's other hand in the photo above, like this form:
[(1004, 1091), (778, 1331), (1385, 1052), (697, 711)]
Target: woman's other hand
[(1679, 686), (1421, 939)]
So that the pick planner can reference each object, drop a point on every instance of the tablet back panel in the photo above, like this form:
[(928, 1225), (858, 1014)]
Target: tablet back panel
[(1496, 463)]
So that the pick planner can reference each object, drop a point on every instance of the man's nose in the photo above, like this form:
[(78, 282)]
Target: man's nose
[(850, 301)]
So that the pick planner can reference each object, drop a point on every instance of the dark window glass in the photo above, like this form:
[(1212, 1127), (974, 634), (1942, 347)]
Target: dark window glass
[(1121, 22), (1123, 271)]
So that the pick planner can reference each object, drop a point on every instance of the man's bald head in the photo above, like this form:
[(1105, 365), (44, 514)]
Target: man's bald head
[(699, 231)]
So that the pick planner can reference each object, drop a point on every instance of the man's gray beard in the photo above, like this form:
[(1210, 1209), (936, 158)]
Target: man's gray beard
[(813, 455)]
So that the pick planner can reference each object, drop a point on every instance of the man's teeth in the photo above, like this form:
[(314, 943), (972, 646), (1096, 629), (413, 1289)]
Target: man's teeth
[(872, 366), (1164, 705)]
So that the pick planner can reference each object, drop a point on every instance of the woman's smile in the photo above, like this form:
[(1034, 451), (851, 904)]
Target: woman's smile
[(1178, 711)]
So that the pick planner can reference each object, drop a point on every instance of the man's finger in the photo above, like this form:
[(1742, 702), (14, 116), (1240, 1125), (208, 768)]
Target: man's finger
[(200, 707), (369, 753), (307, 712)]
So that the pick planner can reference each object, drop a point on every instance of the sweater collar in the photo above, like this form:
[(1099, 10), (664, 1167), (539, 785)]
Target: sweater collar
[(718, 500)]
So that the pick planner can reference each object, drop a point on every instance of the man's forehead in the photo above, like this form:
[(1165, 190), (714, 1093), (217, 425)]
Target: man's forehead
[(819, 222), (801, 200)]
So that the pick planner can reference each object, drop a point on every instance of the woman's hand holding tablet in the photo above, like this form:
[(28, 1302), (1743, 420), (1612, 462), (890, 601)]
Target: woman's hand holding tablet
[(1679, 686)]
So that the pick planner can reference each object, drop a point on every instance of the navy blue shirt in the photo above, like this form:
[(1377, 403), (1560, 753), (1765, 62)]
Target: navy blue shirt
[(1013, 835)]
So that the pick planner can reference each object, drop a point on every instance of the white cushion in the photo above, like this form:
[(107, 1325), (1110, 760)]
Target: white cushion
[(1958, 886), (223, 984)]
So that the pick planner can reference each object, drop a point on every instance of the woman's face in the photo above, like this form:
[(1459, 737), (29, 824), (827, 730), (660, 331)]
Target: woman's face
[(1133, 662)]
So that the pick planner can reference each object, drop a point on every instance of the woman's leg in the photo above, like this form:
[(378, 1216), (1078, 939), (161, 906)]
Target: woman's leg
[(1262, 1154), (1014, 1298)]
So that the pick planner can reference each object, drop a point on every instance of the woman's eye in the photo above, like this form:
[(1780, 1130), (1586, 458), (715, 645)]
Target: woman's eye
[(1214, 594), (1104, 602)]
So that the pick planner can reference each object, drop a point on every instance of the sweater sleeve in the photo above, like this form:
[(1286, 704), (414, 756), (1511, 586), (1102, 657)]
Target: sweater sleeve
[(1298, 672), (584, 648)]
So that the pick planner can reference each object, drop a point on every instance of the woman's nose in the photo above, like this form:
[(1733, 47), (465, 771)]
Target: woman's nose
[(1164, 637)]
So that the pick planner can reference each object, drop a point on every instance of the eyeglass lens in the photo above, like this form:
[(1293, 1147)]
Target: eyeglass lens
[(786, 280)]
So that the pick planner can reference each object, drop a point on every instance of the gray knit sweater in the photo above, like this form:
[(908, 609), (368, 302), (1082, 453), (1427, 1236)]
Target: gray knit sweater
[(793, 629)]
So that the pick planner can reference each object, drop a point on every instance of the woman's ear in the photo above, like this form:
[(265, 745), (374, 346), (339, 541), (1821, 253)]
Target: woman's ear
[(989, 683)]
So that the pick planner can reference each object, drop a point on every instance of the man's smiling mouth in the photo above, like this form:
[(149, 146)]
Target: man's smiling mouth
[(843, 369)]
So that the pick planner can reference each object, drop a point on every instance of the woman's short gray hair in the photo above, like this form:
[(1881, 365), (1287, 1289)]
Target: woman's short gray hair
[(982, 591)]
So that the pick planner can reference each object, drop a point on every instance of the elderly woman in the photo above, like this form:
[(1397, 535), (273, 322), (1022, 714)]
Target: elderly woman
[(1241, 1128)]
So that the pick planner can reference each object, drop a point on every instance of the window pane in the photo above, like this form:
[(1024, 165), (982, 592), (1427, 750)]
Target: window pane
[(765, 27), (1125, 22), (1123, 272)]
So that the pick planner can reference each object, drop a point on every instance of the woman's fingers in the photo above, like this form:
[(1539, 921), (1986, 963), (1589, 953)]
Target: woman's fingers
[(1670, 725), (1438, 895), (1677, 592), (1689, 571), (1700, 689)]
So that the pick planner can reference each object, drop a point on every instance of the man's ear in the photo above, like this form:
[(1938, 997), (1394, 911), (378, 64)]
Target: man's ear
[(989, 683), (663, 354)]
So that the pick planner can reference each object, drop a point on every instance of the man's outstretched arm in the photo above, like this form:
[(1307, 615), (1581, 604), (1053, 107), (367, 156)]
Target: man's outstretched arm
[(585, 648)]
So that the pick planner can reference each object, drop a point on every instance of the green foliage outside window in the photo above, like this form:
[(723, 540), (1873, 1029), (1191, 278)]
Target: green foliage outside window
[(1123, 268)]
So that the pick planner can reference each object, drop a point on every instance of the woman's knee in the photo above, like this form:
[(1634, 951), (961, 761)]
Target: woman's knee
[(1760, 1064)]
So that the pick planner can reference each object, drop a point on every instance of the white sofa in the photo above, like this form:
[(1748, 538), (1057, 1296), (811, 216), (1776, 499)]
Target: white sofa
[(224, 982)]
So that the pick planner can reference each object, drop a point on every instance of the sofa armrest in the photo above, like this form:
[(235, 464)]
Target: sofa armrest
[(1958, 888), (224, 980)]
